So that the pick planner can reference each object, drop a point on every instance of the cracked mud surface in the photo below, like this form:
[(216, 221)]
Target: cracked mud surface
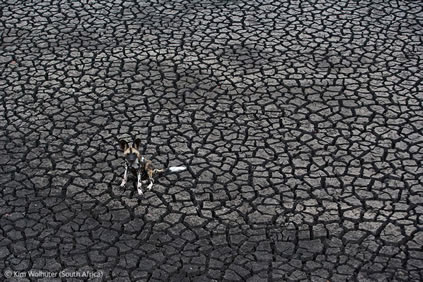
[(300, 122)]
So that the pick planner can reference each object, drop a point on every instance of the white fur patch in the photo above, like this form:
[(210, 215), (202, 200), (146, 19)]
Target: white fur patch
[(177, 168)]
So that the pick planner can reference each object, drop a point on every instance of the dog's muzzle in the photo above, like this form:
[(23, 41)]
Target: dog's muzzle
[(132, 160)]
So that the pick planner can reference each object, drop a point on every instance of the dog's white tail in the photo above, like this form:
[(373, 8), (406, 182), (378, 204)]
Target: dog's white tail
[(177, 168)]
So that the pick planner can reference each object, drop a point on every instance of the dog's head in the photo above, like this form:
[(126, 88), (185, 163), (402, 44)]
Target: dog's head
[(131, 153)]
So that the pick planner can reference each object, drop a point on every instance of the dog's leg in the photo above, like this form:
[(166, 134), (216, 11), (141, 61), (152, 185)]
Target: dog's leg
[(151, 184), (151, 178), (139, 185), (125, 176)]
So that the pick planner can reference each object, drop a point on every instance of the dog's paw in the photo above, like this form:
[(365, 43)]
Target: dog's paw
[(123, 184), (139, 189), (150, 186)]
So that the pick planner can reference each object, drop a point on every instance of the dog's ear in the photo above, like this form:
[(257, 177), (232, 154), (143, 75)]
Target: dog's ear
[(123, 145), (137, 143)]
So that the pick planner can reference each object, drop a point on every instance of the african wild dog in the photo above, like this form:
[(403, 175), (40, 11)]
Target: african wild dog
[(141, 167)]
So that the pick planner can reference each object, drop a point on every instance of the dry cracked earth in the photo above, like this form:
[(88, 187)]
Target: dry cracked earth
[(300, 123)]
